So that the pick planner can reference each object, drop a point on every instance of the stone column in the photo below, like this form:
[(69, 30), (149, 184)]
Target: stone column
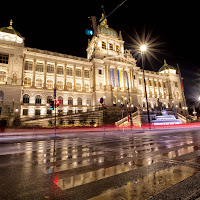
[(105, 75), (154, 89), (45, 74), (83, 83), (108, 69), (65, 80), (34, 68), (116, 77), (74, 76)]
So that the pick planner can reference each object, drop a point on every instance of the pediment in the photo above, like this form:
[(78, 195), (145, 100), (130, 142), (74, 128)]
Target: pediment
[(120, 59)]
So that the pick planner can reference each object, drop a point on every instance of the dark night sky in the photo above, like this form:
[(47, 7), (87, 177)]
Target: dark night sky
[(60, 27)]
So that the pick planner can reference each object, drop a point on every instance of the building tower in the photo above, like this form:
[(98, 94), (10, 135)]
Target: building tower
[(11, 62)]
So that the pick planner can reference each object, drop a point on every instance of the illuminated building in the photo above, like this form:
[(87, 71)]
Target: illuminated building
[(28, 76)]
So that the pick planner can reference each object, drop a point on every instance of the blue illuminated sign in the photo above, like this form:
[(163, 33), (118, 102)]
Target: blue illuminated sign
[(89, 32)]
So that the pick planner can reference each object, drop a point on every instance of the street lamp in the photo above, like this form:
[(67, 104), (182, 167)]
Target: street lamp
[(143, 49)]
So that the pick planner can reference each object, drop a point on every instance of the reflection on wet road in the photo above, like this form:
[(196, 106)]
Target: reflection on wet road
[(96, 166)]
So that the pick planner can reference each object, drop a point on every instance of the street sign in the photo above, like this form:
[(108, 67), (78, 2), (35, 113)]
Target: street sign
[(101, 100)]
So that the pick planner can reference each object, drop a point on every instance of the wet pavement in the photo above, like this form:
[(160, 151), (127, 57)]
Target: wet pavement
[(103, 167)]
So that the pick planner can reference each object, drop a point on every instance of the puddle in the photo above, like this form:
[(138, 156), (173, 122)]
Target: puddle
[(149, 185), (80, 179)]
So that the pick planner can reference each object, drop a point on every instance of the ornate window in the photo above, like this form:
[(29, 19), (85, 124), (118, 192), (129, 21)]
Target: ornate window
[(86, 73), (28, 65), (4, 58), (88, 102), (69, 85), (103, 44), (27, 82), (50, 68), (70, 101), (78, 72), (49, 99), (69, 71), (59, 85), (79, 101), (1, 96), (49, 84), (38, 99), (110, 46), (39, 67), (60, 70), (26, 98), (78, 86), (38, 83), (2, 76)]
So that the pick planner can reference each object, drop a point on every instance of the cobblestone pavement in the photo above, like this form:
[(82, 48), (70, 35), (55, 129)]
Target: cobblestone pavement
[(95, 166)]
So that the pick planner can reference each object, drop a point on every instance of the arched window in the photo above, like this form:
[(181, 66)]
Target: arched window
[(78, 86), (38, 83), (2, 76), (79, 101), (70, 101), (88, 102), (69, 85), (38, 99), (103, 45), (60, 85), (49, 99), (61, 100), (27, 82), (26, 98), (49, 84), (1, 96)]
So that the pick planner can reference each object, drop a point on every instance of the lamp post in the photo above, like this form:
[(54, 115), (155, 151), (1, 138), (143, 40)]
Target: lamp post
[(143, 49)]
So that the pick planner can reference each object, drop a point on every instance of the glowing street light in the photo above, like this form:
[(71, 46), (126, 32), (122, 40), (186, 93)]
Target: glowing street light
[(199, 98), (143, 49)]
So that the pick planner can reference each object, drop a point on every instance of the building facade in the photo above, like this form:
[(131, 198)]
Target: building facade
[(28, 77)]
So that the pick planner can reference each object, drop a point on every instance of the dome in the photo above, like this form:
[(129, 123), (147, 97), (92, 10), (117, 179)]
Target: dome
[(10, 34), (105, 29), (166, 67), (10, 30)]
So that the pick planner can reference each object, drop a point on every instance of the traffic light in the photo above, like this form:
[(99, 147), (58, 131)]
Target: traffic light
[(104, 106), (52, 105), (57, 102)]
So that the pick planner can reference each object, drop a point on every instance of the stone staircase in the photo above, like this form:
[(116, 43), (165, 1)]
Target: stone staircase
[(140, 117), (87, 118)]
